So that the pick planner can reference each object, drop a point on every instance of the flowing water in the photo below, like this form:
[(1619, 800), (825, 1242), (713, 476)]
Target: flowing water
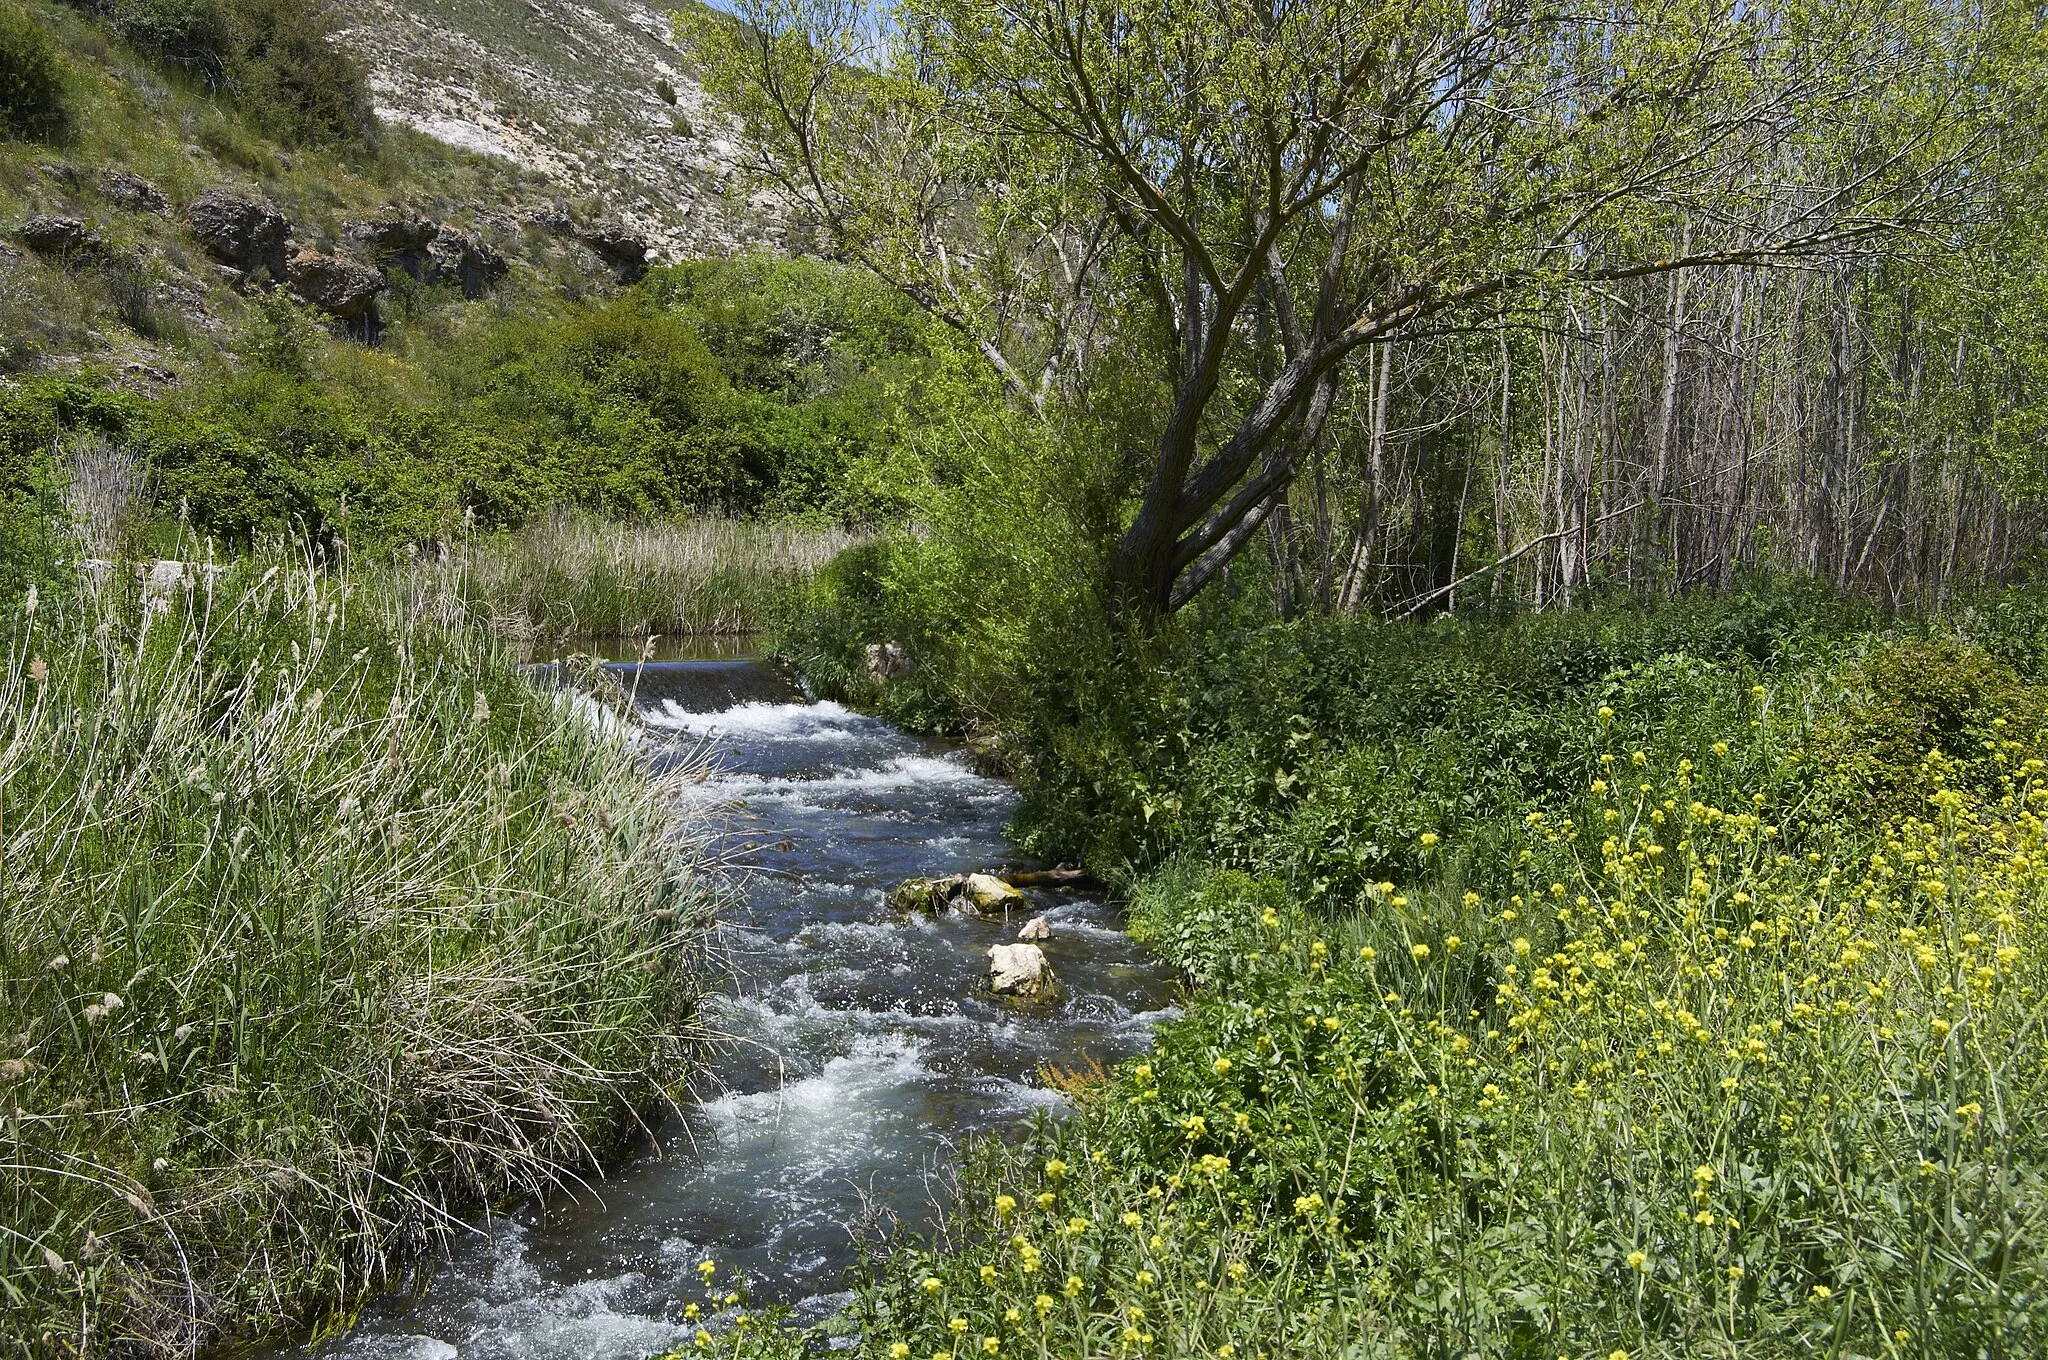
[(864, 1045)]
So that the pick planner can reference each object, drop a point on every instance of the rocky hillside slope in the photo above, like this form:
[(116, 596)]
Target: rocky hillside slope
[(592, 96)]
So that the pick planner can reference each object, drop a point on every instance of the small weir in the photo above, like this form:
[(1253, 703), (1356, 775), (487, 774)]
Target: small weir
[(864, 1046)]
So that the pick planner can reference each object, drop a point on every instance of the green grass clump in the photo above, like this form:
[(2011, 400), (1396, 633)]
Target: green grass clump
[(569, 576), (317, 925)]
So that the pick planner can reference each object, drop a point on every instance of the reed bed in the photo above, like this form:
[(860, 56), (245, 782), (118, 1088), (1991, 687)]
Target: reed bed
[(570, 575), (317, 926)]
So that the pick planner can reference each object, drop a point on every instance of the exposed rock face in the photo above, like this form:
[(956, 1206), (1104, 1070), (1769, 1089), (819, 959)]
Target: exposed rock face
[(1035, 929), (1018, 970), (47, 234), (429, 251), (624, 250), (465, 260), (575, 93), (983, 893), (342, 288), (241, 234), (395, 238), (125, 189)]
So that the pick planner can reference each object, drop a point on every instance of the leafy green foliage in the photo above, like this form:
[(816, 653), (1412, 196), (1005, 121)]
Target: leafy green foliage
[(1579, 984), (31, 78), (296, 78), (732, 388), (198, 35)]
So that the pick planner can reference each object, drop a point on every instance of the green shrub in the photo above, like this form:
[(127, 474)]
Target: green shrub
[(295, 78), (31, 78), (1911, 697), (1692, 1072), (196, 35)]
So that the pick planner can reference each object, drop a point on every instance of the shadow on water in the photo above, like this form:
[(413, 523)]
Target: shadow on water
[(863, 1048)]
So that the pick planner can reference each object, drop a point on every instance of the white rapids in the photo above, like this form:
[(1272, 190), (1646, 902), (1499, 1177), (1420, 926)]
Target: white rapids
[(861, 1049)]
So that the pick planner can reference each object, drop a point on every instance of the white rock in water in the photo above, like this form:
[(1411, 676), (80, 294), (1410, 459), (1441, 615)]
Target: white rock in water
[(1035, 929), (1017, 970)]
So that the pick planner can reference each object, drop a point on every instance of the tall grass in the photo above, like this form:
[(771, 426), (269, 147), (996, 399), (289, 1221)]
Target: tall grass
[(317, 925), (573, 574)]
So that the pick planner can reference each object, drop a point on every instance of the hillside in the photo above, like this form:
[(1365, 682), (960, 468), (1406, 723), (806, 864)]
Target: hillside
[(594, 98)]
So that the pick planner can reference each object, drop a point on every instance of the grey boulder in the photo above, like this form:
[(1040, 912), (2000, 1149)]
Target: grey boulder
[(64, 237), (125, 189), (342, 288), (239, 233)]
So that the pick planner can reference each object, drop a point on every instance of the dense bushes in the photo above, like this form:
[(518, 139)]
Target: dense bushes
[(278, 56), (1674, 1088), (670, 399), (31, 81), (1645, 981)]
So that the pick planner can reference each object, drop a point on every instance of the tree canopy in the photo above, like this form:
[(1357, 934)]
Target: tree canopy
[(1245, 198)]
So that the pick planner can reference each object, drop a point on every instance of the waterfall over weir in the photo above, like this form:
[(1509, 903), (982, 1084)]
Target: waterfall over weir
[(864, 1046)]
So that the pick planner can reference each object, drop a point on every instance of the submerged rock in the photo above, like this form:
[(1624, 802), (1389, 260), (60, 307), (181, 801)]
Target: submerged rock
[(989, 893), (1018, 970)]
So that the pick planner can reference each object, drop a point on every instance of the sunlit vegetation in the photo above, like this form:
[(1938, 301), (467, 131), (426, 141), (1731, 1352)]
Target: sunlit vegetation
[(321, 924), (1652, 982)]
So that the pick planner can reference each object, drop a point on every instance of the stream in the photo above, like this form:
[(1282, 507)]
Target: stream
[(863, 1047)]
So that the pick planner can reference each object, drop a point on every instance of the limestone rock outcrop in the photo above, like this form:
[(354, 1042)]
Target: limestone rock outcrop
[(341, 288), (242, 234)]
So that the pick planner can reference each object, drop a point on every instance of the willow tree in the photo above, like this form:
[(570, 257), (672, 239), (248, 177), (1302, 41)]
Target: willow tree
[(1261, 192)]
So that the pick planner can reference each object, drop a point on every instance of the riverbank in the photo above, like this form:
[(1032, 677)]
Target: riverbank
[(1647, 981), (859, 1044), (322, 925)]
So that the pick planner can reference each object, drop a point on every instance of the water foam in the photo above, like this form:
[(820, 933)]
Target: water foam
[(829, 792), (759, 719), (821, 1115)]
